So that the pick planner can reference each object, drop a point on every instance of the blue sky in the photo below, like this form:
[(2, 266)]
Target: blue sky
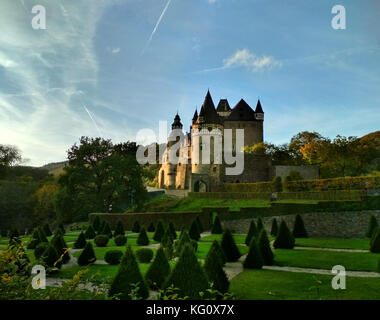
[(113, 67)]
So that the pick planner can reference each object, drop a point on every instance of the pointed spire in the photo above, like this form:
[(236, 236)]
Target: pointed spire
[(177, 122), (259, 109), (208, 113), (195, 117)]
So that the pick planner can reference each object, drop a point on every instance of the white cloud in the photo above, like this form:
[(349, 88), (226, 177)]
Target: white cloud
[(116, 50), (247, 59)]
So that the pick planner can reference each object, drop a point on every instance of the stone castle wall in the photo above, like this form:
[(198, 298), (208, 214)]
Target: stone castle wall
[(307, 172)]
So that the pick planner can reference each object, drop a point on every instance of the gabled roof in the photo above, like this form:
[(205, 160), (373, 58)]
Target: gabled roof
[(208, 112), (223, 106), (259, 109), (242, 112)]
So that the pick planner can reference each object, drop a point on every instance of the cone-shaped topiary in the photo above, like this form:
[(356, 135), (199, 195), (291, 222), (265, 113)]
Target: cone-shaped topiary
[(187, 275), (251, 233), (284, 239), (167, 244), (159, 232), (40, 249), (274, 229), (375, 241), (90, 232), (142, 239), (184, 239), (264, 246), (172, 231), (128, 274), (42, 235), (299, 230), (254, 259), (229, 247), (158, 270), (194, 231), (218, 249), (200, 226), (259, 226), (50, 257), (47, 230), (80, 242), (107, 230), (214, 270), (87, 256), (60, 245), (372, 225), (96, 224), (136, 227), (119, 230), (217, 226), (151, 227)]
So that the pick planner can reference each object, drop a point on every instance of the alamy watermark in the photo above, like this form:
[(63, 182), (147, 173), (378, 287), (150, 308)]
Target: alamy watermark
[(339, 281)]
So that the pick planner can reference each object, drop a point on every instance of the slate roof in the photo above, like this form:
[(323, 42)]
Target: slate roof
[(259, 109), (241, 112), (223, 106), (208, 112)]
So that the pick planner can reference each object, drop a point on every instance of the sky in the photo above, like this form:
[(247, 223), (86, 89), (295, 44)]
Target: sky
[(110, 68)]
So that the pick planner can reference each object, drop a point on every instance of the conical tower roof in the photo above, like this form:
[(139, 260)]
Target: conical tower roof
[(208, 113)]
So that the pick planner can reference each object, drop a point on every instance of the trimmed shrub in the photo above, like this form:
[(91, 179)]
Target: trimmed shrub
[(184, 239), (200, 226), (50, 257), (106, 230), (101, 240), (214, 270), (229, 247), (284, 239), (40, 249), (144, 255), (187, 275), (259, 226), (167, 244), (299, 230), (136, 227), (142, 239), (159, 232), (172, 231), (81, 241), (265, 249), (120, 240), (252, 231), (158, 271), (87, 255), (277, 184), (194, 231), (151, 227), (42, 235), (218, 249), (60, 245), (47, 230), (96, 224), (372, 225), (113, 257), (128, 274), (217, 226), (375, 242), (254, 259), (32, 244), (274, 228), (90, 232), (119, 230)]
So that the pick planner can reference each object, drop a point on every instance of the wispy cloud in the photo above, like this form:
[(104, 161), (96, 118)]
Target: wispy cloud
[(156, 26), (116, 50)]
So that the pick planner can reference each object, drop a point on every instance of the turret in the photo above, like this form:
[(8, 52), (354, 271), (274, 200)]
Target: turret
[(259, 113)]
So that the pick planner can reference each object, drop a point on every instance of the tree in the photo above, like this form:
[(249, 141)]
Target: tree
[(158, 271), (254, 259), (60, 245), (136, 227), (142, 239), (47, 230), (96, 224), (87, 256), (299, 230), (44, 209), (9, 156), (265, 249), (100, 177), (218, 249), (372, 225), (229, 247), (182, 241), (252, 231), (106, 230), (375, 242), (80, 243), (90, 232), (200, 226), (128, 275), (151, 227), (50, 257), (284, 239), (217, 226), (274, 228), (194, 231), (214, 270), (188, 276), (260, 225), (119, 230), (159, 233), (172, 231)]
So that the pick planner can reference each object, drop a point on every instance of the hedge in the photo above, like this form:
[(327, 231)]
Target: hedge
[(231, 195)]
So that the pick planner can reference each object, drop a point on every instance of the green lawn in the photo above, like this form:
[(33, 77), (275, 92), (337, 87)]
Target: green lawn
[(318, 259), (279, 285), (334, 243)]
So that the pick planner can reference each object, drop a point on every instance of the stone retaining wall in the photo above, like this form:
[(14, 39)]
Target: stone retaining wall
[(352, 224)]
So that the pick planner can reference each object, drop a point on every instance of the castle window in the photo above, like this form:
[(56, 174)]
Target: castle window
[(214, 169)]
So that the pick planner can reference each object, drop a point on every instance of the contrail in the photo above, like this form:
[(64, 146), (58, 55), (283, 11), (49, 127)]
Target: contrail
[(156, 27), (94, 122)]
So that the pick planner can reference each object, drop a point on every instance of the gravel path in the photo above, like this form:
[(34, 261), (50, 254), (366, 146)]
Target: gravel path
[(330, 249)]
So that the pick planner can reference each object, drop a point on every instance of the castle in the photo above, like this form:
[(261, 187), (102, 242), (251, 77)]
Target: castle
[(198, 176)]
